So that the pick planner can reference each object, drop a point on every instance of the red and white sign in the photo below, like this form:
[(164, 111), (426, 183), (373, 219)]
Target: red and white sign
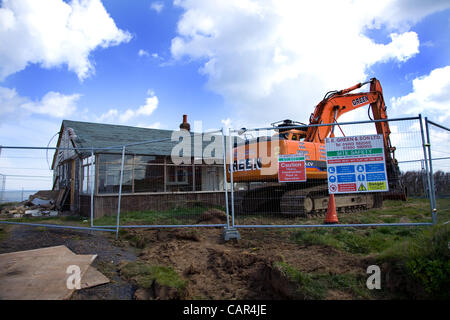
[(291, 168)]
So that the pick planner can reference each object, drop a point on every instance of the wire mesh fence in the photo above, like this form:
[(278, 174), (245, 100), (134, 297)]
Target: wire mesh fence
[(268, 193), (22, 173), (177, 180), (36, 193), (439, 154), (239, 180), (173, 182)]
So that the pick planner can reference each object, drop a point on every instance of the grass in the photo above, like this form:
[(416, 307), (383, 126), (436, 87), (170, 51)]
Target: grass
[(356, 241), (419, 256), (422, 263), (78, 220), (107, 268), (144, 275), (316, 286), (374, 239), (174, 216)]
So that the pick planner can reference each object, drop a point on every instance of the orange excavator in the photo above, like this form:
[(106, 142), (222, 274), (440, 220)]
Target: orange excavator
[(255, 161)]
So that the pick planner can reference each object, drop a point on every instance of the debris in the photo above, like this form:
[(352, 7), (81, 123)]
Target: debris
[(42, 202), (53, 213), (34, 213)]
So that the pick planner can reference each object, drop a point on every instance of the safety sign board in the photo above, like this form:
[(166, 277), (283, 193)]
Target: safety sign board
[(356, 164), (291, 168)]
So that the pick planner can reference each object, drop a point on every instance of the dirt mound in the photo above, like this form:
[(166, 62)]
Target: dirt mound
[(213, 216), (215, 269)]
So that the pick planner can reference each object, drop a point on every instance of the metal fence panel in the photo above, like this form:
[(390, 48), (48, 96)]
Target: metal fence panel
[(177, 182), (27, 170), (208, 180), (439, 154), (259, 200)]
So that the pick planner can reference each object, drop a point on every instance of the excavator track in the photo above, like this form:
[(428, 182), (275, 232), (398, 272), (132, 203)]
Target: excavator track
[(309, 201)]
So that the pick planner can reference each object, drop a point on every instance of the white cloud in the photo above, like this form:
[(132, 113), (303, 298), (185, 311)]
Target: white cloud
[(53, 33), (430, 95), (114, 115), (143, 53), (401, 14), (157, 6), (53, 104), (155, 125), (226, 123), (276, 59)]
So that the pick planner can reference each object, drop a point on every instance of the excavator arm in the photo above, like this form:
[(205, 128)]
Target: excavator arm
[(337, 103)]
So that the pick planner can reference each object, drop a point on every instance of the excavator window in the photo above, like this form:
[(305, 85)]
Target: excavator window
[(294, 137)]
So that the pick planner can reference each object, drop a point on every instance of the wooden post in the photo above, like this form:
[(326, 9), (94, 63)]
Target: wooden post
[(72, 185)]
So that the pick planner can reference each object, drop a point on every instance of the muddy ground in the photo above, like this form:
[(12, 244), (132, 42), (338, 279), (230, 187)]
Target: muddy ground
[(213, 268)]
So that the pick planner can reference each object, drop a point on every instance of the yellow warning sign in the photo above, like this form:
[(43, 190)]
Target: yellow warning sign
[(362, 188), (379, 185)]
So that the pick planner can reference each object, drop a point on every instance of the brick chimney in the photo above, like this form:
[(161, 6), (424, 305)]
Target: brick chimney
[(185, 125)]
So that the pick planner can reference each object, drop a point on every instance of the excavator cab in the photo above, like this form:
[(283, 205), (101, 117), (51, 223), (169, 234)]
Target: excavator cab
[(286, 132)]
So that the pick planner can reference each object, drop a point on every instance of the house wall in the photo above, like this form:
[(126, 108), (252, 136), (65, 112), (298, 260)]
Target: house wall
[(107, 204)]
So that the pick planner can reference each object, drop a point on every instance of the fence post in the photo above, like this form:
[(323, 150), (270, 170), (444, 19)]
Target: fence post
[(2, 189), (231, 232), (224, 148), (120, 193), (92, 187), (424, 146), (433, 191)]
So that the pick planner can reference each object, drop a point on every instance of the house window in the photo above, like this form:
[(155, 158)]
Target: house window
[(148, 174), (177, 175), (87, 174), (109, 166)]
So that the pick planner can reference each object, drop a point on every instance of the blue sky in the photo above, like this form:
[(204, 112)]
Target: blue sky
[(238, 63)]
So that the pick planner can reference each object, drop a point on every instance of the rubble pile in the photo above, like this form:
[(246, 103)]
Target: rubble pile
[(40, 204)]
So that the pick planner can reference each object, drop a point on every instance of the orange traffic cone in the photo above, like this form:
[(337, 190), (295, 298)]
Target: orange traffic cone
[(331, 217)]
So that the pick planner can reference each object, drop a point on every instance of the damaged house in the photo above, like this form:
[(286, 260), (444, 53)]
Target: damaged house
[(84, 166)]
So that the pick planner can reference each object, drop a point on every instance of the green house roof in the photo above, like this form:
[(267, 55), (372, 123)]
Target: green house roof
[(99, 136)]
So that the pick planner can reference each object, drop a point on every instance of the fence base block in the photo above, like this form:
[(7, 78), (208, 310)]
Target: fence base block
[(230, 233)]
